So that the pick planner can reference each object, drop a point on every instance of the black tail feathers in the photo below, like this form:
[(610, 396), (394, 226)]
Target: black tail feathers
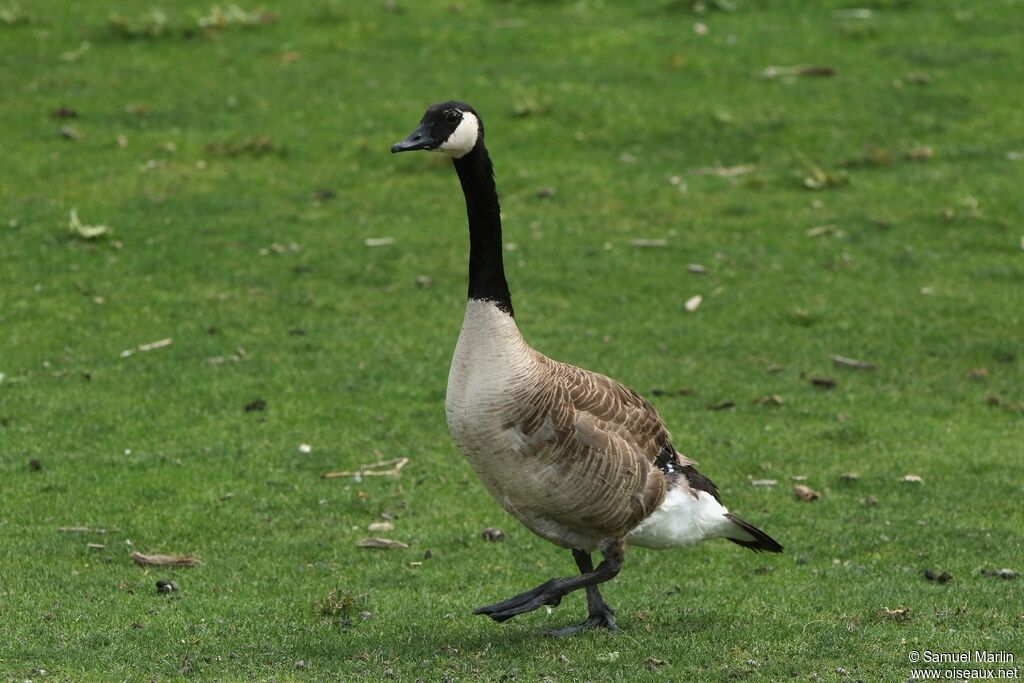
[(749, 536)]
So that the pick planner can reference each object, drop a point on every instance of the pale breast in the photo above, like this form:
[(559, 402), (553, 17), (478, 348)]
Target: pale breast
[(492, 369)]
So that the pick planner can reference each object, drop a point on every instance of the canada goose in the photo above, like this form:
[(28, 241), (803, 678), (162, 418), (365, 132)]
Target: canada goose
[(580, 459)]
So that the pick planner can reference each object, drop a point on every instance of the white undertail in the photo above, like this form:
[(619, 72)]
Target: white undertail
[(685, 518)]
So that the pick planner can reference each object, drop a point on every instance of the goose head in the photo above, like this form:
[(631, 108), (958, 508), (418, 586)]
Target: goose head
[(452, 128)]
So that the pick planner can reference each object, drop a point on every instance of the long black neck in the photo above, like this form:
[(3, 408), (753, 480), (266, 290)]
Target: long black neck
[(486, 268)]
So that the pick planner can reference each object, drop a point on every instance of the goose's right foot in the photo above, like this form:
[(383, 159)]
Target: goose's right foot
[(599, 620)]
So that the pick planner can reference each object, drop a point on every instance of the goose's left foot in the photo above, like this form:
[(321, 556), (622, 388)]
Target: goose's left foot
[(600, 620), (600, 614)]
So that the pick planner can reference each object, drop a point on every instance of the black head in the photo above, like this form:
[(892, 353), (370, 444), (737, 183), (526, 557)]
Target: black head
[(453, 128)]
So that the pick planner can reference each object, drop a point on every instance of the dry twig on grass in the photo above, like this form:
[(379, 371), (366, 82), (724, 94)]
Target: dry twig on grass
[(805, 493), (843, 361), (142, 348), (158, 560), (371, 470), (382, 543)]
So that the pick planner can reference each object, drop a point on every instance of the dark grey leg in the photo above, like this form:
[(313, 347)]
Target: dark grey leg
[(552, 591), (599, 614)]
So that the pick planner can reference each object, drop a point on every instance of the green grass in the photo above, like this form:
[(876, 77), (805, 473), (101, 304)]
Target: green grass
[(226, 134)]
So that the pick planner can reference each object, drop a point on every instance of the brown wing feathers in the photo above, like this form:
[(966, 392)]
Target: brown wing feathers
[(606, 438)]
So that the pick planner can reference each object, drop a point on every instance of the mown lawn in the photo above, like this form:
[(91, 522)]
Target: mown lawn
[(870, 207)]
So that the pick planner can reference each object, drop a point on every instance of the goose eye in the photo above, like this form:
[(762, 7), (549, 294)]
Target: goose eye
[(452, 116)]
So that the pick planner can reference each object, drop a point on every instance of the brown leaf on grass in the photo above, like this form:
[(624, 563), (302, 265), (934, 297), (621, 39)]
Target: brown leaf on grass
[(95, 546), (652, 664), (492, 535), (896, 614), (374, 469), (920, 153), (69, 133), (527, 106), (380, 526), (824, 382), (817, 178), (977, 373), (763, 482), (942, 577), (381, 543), (844, 362), (235, 16), (770, 400), (648, 243), (682, 391), (871, 156), (83, 530), (849, 476), (64, 113), (805, 493), (820, 230), (911, 479), (137, 109), (258, 405), (1000, 573), (798, 70), (722, 405), (817, 71), (724, 171), (341, 603), (159, 560)]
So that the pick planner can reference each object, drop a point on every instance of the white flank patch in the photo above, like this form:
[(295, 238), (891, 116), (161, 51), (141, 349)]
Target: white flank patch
[(682, 520), (463, 138)]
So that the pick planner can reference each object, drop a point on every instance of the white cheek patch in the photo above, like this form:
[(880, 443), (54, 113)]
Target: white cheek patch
[(463, 138)]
